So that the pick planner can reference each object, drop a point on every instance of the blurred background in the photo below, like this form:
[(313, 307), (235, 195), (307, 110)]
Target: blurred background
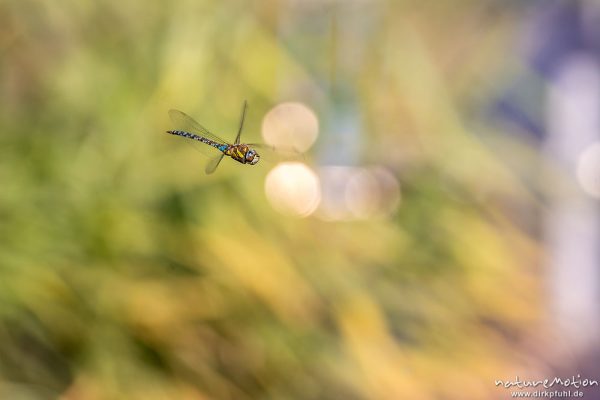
[(440, 232)]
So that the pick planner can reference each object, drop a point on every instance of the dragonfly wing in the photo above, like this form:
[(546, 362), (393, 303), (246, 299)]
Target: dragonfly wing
[(239, 134), (276, 154), (213, 164), (202, 148), (186, 123)]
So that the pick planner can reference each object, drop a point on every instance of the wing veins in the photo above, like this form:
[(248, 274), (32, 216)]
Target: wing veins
[(186, 123), (239, 134)]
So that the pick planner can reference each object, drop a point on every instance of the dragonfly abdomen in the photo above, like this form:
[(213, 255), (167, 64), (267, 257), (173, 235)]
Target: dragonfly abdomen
[(220, 146)]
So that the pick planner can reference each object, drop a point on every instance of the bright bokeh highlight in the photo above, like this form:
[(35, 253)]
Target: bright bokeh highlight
[(357, 193), (293, 189), (588, 170), (290, 126)]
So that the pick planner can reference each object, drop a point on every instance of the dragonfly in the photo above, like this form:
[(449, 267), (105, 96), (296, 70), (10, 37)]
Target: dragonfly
[(240, 152)]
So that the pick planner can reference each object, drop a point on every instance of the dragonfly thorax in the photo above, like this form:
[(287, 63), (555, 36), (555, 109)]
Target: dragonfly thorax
[(243, 154)]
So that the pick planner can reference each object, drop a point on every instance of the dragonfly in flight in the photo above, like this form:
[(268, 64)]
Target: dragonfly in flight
[(189, 128)]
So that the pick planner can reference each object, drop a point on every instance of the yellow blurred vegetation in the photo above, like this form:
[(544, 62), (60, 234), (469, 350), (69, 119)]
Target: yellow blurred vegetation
[(126, 273)]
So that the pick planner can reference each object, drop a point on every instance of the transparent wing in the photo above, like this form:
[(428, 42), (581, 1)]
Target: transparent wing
[(239, 134), (202, 148), (186, 123), (213, 164), (276, 154)]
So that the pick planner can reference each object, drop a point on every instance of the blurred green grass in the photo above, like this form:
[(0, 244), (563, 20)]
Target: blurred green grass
[(125, 272)]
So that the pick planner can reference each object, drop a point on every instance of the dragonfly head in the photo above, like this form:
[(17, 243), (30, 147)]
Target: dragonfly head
[(252, 157)]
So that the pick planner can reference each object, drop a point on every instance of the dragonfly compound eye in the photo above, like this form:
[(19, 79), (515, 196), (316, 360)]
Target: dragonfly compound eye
[(255, 158)]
